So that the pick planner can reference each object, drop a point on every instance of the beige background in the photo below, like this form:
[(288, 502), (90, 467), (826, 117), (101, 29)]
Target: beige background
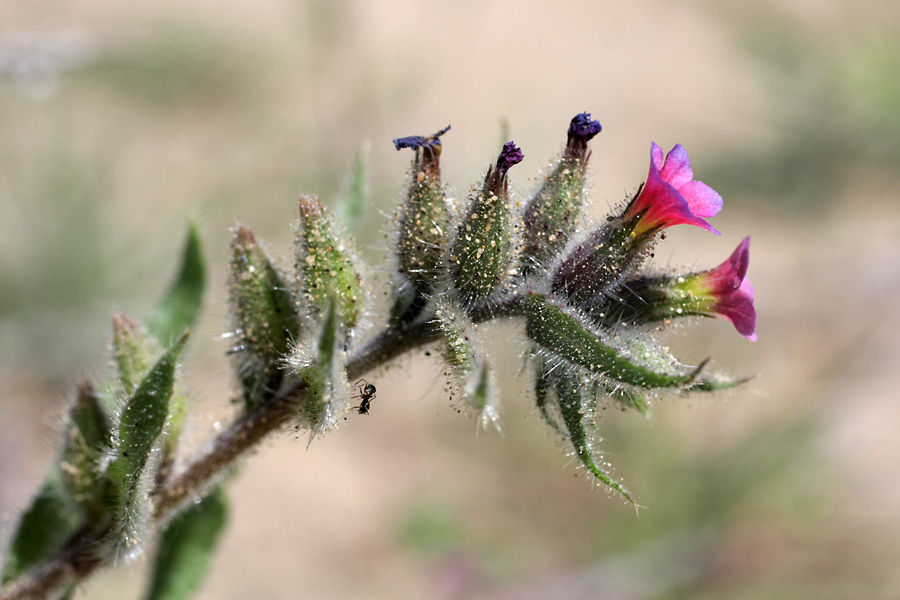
[(119, 121)]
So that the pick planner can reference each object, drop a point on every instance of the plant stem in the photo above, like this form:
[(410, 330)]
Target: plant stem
[(87, 550)]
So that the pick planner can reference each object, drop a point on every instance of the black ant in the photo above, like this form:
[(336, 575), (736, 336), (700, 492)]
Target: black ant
[(365, 391)]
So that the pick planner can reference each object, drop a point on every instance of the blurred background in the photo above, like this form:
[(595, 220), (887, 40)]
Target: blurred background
[(119, 122)]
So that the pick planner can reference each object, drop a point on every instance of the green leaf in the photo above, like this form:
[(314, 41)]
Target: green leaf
[(356, 198), (141, 424), (186, 549), (181, 305), (43, 528)]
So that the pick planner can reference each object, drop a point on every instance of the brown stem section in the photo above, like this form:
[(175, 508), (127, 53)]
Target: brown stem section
[(88, 549)]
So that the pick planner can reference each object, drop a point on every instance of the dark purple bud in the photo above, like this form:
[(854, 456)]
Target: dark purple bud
[(581, 130), (509, 156)]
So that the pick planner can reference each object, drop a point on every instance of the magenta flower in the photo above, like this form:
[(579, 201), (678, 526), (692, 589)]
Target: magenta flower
[(726, 291), (671, 196)]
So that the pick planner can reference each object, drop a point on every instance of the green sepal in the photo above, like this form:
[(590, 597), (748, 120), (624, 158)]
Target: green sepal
[(718, 383), (481, 254), (598, 263), (87, 435), (543, 391), (577, 400), (320, 363), (326, 267), (141, 423), (186, 548), (179, 308), (628, 398), (133, 353), (356, 196), (43, 528), (552, 214), (565, 334), (265, 317), (470, 373)]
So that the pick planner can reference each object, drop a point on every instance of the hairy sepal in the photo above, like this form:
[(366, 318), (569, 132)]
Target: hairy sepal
[(86, 438), (552, 214), (320, 362), (470, 374), (566, 333), (266, 321), (327, 267), (575, 395)]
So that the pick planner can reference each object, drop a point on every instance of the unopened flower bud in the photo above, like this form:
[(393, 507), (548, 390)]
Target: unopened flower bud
[(264, 313), (133, 352), (326, 267), (481, 253), (87, 434), (551, 215)]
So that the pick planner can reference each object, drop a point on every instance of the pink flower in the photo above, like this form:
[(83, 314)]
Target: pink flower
[(671, 196), (728, 292)]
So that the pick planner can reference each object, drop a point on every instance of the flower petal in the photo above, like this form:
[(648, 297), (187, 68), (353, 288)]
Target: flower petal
[(738, 308), (729, 276), (656, 156), (677, 170), (703, 200)]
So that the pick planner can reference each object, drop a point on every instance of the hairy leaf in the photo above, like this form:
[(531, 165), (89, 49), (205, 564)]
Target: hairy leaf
[(181, 305), (141, 424), (186, 548), (43, 528)]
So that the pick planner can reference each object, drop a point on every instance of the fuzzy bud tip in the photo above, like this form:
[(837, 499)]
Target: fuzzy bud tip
[(243, 236), (310, 207)]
